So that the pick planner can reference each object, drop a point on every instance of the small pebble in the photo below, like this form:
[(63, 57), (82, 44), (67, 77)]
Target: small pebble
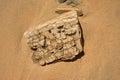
[(61, 1)]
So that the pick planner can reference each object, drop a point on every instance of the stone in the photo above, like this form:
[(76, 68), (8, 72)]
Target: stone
[(61, 10), (78, 44), (59, 55), (50, 59), (56, 40), (36, 40), (41, 42), (61, 1), (72, 2), (42, 62), (63, 36), (68, 2)]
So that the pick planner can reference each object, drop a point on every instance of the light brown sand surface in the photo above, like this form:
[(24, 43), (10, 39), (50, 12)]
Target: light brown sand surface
[(101, 29)]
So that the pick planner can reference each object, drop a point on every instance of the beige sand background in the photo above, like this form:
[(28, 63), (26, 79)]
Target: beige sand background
[(101, 27)]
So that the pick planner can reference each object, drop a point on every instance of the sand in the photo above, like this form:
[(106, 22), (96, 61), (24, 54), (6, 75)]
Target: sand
[(100, 25)]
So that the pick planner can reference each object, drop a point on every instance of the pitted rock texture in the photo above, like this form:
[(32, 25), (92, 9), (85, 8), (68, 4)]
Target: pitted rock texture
[(56, 40)]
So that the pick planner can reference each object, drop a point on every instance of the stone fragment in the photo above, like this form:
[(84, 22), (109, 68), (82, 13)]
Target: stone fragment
[(49, 48), (59, 55), (56, 40), (61, 1), (53, 57), (50, 59), (63, 36), (36, 40), (67, 55), (41, 42), (78, 44), (66, 9), (68, 2), (42, 62)]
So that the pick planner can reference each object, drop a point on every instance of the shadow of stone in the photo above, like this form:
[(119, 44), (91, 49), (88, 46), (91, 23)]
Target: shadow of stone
[(82, 37)]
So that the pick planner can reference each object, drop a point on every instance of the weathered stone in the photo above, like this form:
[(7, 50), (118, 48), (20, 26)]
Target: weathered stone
[(61, 1), (59, 55), (58, 39), (66, 9), (63, 36), (42, 62)]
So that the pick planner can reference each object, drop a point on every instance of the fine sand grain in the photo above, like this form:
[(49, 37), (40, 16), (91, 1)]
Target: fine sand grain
[(101, 29)]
